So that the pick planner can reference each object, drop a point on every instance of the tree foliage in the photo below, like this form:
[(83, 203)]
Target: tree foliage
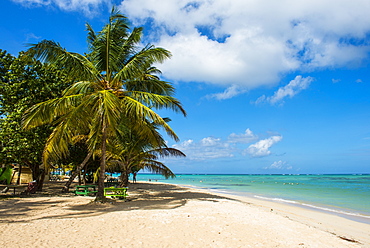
[(131, 152), (24, 83), (113, 84)]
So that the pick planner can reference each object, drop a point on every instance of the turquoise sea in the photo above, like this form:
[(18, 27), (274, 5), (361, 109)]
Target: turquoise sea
[(347, 195)]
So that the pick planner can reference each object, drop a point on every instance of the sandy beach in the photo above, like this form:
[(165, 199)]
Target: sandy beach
[(165, 215)]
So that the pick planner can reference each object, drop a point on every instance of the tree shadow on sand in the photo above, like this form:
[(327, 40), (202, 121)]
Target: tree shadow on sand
[(142, 196)]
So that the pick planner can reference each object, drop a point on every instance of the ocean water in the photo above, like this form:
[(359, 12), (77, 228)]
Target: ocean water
[(341, 194)]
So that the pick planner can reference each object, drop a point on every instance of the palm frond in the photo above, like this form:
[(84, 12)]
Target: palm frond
[(139, 62), (106, 113), (75, 65), (82, 87), (167, 152), (46, 112), (158, 101), (157, 168), (139, 113), (68, 131), (91, 35), (151, 86)]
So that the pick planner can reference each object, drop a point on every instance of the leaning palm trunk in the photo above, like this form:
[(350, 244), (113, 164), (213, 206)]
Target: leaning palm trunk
[(75, 173)]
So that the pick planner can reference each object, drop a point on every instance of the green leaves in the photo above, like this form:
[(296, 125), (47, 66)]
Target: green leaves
[(74, 65), (25, 82), (115, 93)]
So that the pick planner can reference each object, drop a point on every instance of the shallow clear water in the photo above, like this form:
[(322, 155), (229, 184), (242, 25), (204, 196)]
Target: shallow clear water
[(346, 194)]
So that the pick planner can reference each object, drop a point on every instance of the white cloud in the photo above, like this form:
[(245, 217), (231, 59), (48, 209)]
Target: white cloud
[(230, 92), (207, 148), (213, 148), (33, 2), (294, 87), (247, 137), (261, 148), (244, 44), (334, 81), (248, 43), (32, 36), (86, 6), (279, 165)]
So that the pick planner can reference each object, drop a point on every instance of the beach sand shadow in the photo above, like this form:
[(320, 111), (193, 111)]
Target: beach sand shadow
[(52, 204)]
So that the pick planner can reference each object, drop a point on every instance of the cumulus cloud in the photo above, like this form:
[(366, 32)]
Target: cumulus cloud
[(334, 81), (294, 87), (33, 2), (230, 92), (243, 44), (247, 137), (279, 165), (86, 6), (213, 148), (261, 148), (207, 148), (247, 44)]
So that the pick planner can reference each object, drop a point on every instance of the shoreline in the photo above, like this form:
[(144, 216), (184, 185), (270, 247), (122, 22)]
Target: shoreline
[(350, 204), (362, 217), (168, 215), (347, 213), (313, 215)]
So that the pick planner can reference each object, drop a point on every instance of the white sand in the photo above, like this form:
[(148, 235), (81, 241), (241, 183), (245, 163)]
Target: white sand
[(163, 215)]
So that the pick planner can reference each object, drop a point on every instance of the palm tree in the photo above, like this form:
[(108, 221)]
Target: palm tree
[(133, 162), (133, 150), (110, 86)]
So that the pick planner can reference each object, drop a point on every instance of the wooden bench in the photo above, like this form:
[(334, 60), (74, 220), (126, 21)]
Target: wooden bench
[(21, 186), (86, 190), (113, 192)]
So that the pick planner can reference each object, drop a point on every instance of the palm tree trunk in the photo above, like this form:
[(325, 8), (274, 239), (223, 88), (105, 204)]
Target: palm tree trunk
[(40, 182), (84, 178), (75, 173), (100, 195), (79, 178), (124, 178)]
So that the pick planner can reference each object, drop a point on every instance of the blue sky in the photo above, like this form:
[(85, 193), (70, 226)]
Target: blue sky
[(269, 87)]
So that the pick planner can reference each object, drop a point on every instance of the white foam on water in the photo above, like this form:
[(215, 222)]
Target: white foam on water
[(314, 206)]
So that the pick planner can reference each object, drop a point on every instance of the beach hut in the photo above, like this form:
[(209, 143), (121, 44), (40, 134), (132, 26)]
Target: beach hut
[(24, 174)]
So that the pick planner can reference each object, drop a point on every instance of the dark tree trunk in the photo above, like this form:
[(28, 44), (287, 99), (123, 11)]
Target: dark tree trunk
[(100, 195), (19, 174), (38, 174), (79, 178), (74, 174), (40, 182), (84, 178), (35, 171), (124, 178)]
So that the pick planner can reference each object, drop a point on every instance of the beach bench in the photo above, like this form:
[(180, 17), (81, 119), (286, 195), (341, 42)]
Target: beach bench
[(113, 192), (85, 190), (21, 186)]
